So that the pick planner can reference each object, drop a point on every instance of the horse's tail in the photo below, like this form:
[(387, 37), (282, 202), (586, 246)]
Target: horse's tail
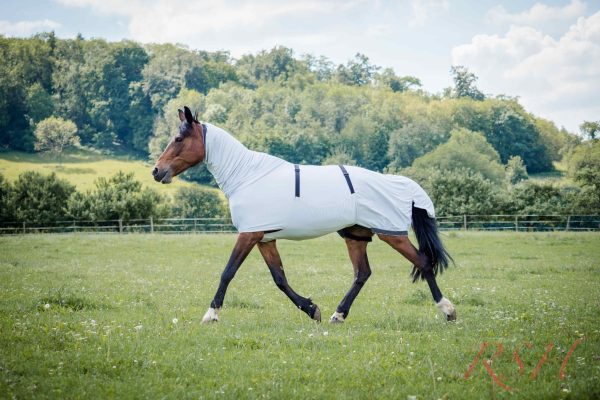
[(426, 231)]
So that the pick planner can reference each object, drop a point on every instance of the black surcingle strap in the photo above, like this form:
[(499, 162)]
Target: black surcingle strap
[(347, 177), (297, 173)]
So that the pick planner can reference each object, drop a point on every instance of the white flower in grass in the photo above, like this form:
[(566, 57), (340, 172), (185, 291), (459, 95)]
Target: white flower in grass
[(175, 321), (46, 306), (138, 327)]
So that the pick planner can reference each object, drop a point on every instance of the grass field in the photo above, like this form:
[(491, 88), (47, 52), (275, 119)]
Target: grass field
[(101, 316), (81, 168)]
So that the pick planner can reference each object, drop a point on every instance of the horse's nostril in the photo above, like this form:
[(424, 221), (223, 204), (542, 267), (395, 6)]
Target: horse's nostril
[(155, 171)]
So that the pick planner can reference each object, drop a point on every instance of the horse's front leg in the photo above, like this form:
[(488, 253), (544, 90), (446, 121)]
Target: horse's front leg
[(273, 260), (243, 246)]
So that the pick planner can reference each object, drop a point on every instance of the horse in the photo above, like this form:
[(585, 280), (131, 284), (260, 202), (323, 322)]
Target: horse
[(270, 199)]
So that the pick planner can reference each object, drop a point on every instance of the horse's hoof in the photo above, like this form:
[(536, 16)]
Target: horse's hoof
[(210, 316), (451, 316), (337, 318), (317, 314), (447, 308)]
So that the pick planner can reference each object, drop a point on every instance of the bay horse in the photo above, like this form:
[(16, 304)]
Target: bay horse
[(272, 199)]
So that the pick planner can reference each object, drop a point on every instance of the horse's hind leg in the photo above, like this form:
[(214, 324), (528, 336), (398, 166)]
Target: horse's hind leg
[(273, 260), (357, 239), (403, 245)]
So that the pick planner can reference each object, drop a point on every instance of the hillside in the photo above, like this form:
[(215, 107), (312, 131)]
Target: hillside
[(82, 168)]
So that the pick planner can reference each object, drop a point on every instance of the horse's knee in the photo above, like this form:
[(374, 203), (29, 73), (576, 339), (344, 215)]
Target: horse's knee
[(362, 276)]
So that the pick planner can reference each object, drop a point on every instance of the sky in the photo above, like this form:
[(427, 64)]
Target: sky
[(546, 53)]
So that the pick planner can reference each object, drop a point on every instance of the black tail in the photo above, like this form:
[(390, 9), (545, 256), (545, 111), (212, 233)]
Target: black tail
[(425, 229)]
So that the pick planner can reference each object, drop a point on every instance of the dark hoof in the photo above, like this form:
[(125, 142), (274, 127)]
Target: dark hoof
[(452, 316), (316, 315)]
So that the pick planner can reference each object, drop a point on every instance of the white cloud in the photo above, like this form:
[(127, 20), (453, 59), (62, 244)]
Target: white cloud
[(553, 20), (240, 26), (555, 78), (27, 28), (423, 9)]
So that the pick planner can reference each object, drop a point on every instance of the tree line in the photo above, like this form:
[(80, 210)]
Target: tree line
[(123, 96)]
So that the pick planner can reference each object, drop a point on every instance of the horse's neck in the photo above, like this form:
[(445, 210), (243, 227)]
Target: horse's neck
[(225, 156), (232, 164)]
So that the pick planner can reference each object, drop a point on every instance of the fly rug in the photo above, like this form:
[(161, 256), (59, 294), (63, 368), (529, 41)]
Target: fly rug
[(272, 199)]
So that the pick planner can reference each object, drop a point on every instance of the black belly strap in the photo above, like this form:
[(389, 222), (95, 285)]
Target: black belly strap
[(297, 173), (347, 177)]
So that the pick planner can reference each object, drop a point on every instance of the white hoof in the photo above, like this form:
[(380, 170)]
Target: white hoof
[(337, 318), (210, 316), (447, 308)]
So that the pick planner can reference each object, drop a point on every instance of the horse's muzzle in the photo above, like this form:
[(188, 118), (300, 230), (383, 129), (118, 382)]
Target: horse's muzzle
[(163, 176)]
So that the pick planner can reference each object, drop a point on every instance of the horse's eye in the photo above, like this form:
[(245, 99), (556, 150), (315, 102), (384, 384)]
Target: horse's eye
[(178, 138)]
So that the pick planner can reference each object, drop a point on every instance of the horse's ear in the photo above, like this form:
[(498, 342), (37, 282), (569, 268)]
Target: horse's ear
[(181, 115), (188, 115)]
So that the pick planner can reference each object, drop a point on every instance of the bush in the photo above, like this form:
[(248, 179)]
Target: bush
[(7, 212), (465, 150), (197, 202), (460, 191), (120, 197), (542, 198), (40, 198)]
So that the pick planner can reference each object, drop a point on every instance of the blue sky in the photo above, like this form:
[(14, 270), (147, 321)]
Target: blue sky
[(545, 52)]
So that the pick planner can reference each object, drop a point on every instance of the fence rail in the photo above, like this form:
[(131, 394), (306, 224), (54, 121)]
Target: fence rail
[(519, 223)]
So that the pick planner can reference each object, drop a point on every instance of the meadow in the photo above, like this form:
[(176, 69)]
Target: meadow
[(118, 316), (82, 167)]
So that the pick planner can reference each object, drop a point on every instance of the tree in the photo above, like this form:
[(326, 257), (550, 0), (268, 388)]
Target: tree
[(339, 156), (358, 71), (515, 170), (464, 83), (413, 140), (590, 129), (39, 103), (508, 127), (40, 198), (54, 135), (464, 150), (388, 78), (584, 167), (197, 202)]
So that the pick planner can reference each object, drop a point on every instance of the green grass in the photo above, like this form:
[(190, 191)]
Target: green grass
[(81, 168), (108, 330)]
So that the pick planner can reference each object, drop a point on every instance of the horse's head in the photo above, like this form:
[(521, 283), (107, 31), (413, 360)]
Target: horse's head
[(185, 150)]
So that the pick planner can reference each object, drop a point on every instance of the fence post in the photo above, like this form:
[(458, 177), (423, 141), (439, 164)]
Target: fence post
[(151, 225), (465, 222), (568, 223), (516, 223), (120, 225), (24, 231)]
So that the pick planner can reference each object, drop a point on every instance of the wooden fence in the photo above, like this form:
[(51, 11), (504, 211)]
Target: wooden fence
[(519, 223)]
